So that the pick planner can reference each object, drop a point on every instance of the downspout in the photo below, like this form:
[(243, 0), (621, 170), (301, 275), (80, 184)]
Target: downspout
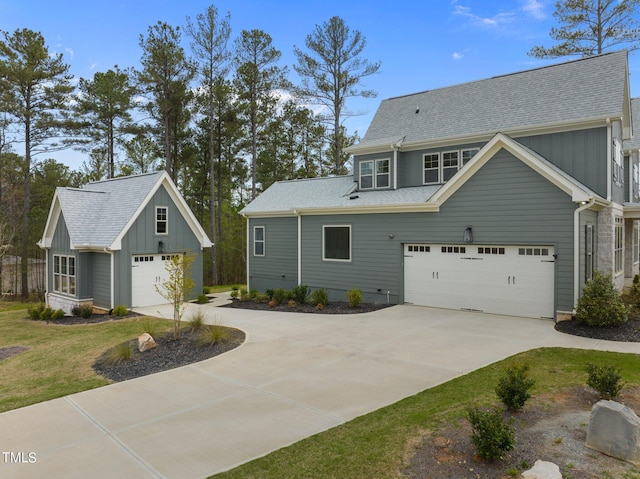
[(295, 212), (46, 276), (609, 159), (395, 147), (576, 248), (112, 280), (248, 253)]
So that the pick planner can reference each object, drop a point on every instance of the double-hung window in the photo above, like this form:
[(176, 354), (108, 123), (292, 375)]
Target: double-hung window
[(449, 165), (468, 154), (617, 252), (258, 241), (64, 274), (161, 220), (431, 168), (336, 243), (374, 174)]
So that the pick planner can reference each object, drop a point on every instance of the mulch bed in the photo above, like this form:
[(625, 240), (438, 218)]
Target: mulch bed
[(169, 354), (93, 319), (337, 307), (626, 332)]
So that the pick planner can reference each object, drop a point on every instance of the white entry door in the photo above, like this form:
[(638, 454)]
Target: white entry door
[(147, 271), (513, 280)]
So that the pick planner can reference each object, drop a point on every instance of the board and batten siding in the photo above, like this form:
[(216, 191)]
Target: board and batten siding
[(60, 244), (141, 239), (278, 268), (505, 202), (101, 275)]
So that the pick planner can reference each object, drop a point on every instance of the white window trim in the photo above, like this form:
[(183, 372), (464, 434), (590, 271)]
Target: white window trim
[(255, 241), (66, 275), (438, 169), (374, 174), (324, 258), (443, 168), (618, 247), (463, 151), (166, 220)]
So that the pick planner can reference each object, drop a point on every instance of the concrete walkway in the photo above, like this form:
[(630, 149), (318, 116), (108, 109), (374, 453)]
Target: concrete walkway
[(295, 375)]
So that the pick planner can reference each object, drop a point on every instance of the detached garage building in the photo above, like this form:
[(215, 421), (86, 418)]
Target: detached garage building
[(107, 242), (501, 195)]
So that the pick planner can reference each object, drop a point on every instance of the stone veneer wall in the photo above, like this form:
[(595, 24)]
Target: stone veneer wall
[(606, 243), (65, 303)]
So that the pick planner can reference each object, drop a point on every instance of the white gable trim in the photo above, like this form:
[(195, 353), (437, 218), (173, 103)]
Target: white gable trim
[(180, 203), (52, 221), (498, 142)]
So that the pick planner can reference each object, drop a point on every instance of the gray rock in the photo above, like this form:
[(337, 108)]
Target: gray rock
[(543, 470), (614, 430)]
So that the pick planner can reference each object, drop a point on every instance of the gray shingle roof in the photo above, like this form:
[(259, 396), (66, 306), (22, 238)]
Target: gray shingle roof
[(335, 192), (578, 90), (98, 212)]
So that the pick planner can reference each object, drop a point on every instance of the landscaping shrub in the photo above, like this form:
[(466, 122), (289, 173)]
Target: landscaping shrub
[(151, 328), (633, 296), (300, 293), (491, 435), (214, 334), (605, 380), (600, 303), (262, 298), (34, 310), (293, 304), (46, 314), (320, 296), (122, 352), (253, 293), (197, 321), (354, 296), (280, 295), (206, 289), (234, 294), (513, 387), (120, 310), (83, 310), (272, 303), (57, 314), (202, 299), (244, 294)]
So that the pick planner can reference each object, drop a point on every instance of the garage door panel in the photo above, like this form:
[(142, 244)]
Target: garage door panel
[(147, 271), (510, 280)]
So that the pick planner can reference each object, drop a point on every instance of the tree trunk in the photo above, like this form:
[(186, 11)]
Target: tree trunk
[(24, 265), (212, 179)]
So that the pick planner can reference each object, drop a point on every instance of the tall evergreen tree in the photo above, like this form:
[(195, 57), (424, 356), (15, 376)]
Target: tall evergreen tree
[(331, 72), (210, 36), (257, 78), (105, 104), (589, 27), (165, 76), (36, 91)]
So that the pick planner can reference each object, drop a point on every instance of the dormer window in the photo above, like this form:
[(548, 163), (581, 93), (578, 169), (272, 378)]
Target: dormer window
[(374, 174), (161, 220)]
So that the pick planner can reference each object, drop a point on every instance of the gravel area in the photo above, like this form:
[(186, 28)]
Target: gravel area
[(8, 351)]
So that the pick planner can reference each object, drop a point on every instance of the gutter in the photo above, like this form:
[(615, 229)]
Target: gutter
[(576, 248), (396, 147), (295, 212), (112, 292)]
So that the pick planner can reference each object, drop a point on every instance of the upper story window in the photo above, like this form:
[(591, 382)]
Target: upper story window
[(374, 174), (258, 241), (161, 220), (616, 162), (440, 167)]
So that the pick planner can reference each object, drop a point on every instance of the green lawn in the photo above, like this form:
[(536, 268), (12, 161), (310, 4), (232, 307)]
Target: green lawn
[(59, 358), (374, 445)]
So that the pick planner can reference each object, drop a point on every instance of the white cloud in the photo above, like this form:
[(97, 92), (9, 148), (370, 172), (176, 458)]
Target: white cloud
[(534, 8), (70, 52), (495, 21), (457, 56)]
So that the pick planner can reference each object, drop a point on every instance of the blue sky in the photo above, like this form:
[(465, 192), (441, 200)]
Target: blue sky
[(421, 44)]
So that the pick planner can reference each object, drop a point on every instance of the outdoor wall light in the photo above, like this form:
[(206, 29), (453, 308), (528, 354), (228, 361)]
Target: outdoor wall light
[(160, 247), (468, 235), (391, 236)]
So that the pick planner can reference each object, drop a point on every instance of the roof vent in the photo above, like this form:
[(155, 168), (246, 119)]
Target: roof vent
[(417, 110), (354, 197)]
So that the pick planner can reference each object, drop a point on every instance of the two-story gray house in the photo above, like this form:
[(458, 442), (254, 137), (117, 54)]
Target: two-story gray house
[(501, 195), (107, 243)]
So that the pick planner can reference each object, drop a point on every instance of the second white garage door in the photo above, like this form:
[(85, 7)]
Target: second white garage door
[(514, 280)]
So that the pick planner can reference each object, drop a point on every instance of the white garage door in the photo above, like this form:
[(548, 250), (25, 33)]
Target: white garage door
[(514, 280), (147, 271)]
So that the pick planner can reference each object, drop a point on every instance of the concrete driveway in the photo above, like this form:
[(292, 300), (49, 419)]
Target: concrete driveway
[(295, 375)]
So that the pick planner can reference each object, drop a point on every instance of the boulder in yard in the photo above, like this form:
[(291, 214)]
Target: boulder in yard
[(543, 470), (614, 430), (146, 342)]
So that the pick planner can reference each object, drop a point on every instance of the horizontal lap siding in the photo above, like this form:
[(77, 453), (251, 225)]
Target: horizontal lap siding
[(278, 268), (505, 202)]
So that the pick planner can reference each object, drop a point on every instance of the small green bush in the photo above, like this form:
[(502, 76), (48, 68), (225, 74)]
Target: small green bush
[(513, 387), (244, 294), (354, 296), (280, 295), (214, 334), (122, 352), (262, 298), (605, 380), (600, 303), (320, 296), (150, 327), (83, 310), (234, 294), (34, 310), (46, 314), (57, 314), (300, 293), (202, 299), (293, 304), (120, 310), (253, 293), (491, 435), (197, 321), (269, 292)]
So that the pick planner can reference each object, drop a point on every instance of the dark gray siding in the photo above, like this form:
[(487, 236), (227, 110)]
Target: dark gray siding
[(278, 268), (388, 155), (582, 154), (141, 239), (101, 275), (505, 202)]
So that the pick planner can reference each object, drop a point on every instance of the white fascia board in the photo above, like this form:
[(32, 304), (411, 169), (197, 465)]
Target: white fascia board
[(52, 220), (352, 210)]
